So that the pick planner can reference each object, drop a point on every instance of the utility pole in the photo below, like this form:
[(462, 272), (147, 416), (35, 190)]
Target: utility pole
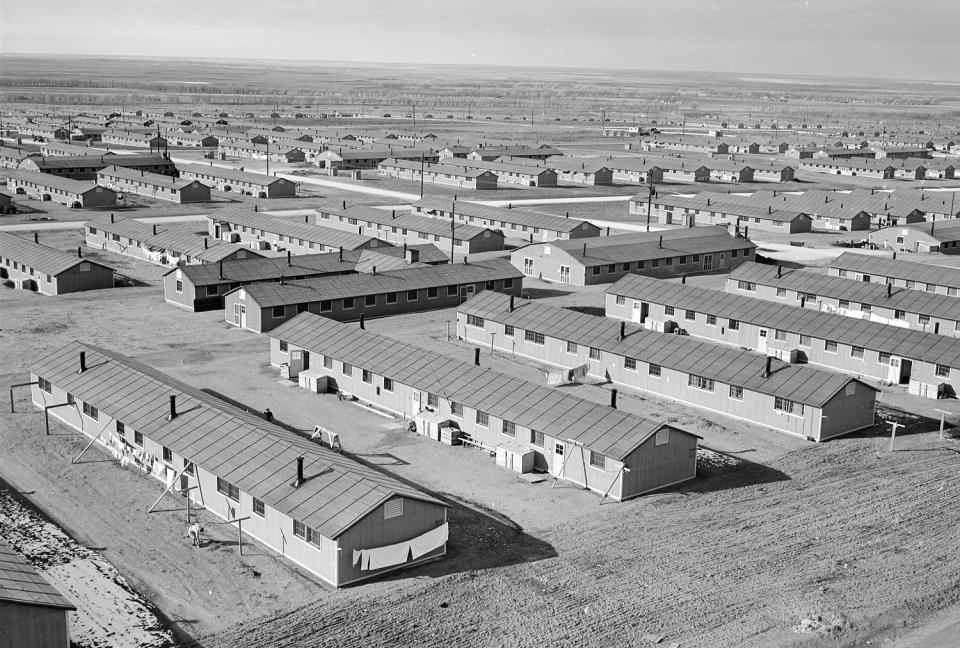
[(893, 432), (422, 168), (943, 415), (268, 156), (650, 194), (414, 119)]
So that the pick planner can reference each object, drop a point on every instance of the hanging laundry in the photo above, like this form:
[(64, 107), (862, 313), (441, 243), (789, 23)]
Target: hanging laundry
[(427, 542)]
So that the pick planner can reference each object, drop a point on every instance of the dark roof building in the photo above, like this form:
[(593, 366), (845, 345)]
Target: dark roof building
[(32, 266), (243, 182), (928, 277), (153, 185), (261, 307), (77, 194), (33, 614), (86, 167)]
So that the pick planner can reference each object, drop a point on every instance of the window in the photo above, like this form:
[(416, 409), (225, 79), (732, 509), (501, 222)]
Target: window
[(532, 336), (121, 428), (167, 455), (653, 370), (841, 272), (367, 377), (856, 352), (393, 509), (630, 363), (690, 315), (300, 529), (432, 293), (923, 320), (883, 358), (663, 437), (736, 393), (507, 284), (179, 286), (621, 300), (952, 292), (899, 314), (733, 325), (668, 310), (508, 330), (347, 303), (189, 468), (137, 438), (70, 399), (279, 311), (558, 449), (829, 346), (45, 385), (536, 438), (866, 308), (411, 295), (392, 298), (781, 292), (388, 384), (699, 382), (655, 263), (571, 347), (347, 369), (943, 371), (594, 353), (844, 303), (91, 411), (370, 300), (456, 409), (258, 507), (597, 460), (780, 335), (452, 291), (326, 305), (931, 287), (711, 320), (804, 340), (473, 320), (283, 346), (433, 400), (749, 285), (483, 419), (510, 429), (213, 291), (788, 406), (228, 489), (327, 362)]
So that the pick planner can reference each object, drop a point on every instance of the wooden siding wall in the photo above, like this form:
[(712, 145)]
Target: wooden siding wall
[(748, 336), (96, 277), (486, 242), (406, 401), (33, 626), (896, 282), (653, 467)]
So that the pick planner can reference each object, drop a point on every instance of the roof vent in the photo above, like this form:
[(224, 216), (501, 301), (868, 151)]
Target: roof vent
[(173, 408), (299, 481), (83, 362)]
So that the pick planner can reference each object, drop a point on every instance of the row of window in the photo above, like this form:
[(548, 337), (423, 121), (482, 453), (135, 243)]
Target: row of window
[(908, 283), (22, 267), (655, 263)]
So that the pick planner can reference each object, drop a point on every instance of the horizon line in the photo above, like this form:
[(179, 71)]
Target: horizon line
[(472, 65)]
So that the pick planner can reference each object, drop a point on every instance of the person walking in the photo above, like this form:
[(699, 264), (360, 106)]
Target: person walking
[(194, 532)]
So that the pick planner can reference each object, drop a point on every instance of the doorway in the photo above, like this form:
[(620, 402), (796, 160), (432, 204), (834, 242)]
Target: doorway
[(708, 262), (556, 466), (762, 341)]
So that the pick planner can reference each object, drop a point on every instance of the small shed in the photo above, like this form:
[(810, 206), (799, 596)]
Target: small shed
[(515, 457)]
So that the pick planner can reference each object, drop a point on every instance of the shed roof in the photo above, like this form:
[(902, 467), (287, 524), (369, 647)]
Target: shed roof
[(404, 220), (562, 416), (236, 445), (269, 268), (51, 181), (229, 174), (501, 214), (294, 229), (906, 343), (728, 365), (21, 583)]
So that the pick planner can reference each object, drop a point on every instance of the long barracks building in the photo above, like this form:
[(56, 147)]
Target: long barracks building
[(516, 223), (605, 259), (927, 277), (260, 307), (922, 311), (927, 363), (32, 266), (601, 448), (262, 231), (409, 229), (796, 399), (341, 521)]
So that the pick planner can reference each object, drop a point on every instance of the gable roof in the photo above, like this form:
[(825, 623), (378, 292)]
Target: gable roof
[(21, 583), (909, 270), (39, 257), (294, 229), (230, 174), (433, 204), (236, 445), (603, 429), (725, 364), (907, 343), (404, 220)]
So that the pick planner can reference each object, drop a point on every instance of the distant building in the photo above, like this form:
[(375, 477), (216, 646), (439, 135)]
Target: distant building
[(33, 614), (243, 182), (77, 194), (32, 266), (153, 185)]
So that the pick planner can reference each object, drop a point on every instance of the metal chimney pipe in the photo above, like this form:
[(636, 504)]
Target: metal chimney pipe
[(613, 398), (83, 361), (221, 268), (206, 243), (300, 478), (36, 237), (111, 217), (683, 279), (623, 330), (511, 303), (289, 260), (936, 327), (79, 252), (889, 290), (779, 271), (660, 243), (476, 356), (173, 408), (584, 249), (363, 325), (344, 204), (766, 372), (154, 230)]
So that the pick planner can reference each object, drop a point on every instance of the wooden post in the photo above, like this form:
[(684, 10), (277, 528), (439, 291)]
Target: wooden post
[(239, 522), (87, 447), (18, 385), (943, 415), (893, 432), (46, 417), (623, 469), (167, 489)]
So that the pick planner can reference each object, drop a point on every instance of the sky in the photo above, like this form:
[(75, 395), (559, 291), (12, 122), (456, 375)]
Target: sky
[(904, 39)]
